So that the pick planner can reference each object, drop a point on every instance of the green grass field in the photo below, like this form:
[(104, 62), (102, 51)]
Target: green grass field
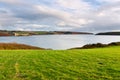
[(85, 64)]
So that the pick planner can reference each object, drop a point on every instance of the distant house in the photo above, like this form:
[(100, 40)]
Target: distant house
[(21, 34)]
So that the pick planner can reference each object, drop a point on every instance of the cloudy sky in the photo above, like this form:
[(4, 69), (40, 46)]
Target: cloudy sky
[(69, 15)]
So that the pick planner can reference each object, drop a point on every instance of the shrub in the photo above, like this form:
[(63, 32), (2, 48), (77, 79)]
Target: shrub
[(11, 46)]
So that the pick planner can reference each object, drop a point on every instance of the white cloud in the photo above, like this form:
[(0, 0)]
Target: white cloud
[(68, 18), (65, 14), (109, 1), (76, 4), (61, 24), (13, 2)]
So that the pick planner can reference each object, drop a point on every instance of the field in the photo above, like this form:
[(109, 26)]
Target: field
[(84, 64)]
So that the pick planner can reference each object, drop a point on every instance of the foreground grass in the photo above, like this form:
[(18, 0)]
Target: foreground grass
[(87, 64)]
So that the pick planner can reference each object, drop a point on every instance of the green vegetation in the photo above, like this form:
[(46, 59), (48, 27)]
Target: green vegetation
[(29, 33), (84, 64), (98, 45)]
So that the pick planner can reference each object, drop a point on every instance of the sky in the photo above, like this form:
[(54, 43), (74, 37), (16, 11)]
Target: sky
[(60, 15)]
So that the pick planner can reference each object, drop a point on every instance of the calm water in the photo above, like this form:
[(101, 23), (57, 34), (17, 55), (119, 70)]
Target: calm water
[(60, 41)]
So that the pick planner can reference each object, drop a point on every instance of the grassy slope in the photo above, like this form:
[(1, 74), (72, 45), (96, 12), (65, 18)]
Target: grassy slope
[(16, 46), (91, 64)]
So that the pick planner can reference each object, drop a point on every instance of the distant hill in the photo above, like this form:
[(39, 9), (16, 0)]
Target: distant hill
[(5, 34), (29, 33), (108, 33)]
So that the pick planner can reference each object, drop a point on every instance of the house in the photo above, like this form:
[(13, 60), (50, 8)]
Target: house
[(21, 34)]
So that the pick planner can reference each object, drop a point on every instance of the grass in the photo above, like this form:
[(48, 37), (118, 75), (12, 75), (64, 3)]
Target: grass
[(85, 64)]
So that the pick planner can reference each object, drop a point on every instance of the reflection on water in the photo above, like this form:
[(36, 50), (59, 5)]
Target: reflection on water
[(61, 41)]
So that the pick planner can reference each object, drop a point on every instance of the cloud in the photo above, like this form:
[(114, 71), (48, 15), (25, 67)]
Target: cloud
[(106, 18), (109, 1), (79, 15), (74, 5)]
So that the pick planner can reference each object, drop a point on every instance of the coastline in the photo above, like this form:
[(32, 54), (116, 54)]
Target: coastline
[(18, 46)]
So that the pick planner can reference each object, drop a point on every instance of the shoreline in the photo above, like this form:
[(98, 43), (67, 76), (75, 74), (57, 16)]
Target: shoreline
[(19, 46)]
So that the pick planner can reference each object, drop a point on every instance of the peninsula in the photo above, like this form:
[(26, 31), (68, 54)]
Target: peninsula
[(29, 33)]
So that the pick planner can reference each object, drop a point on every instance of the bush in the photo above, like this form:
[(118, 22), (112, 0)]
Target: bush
[(14, 46), (98, 45)]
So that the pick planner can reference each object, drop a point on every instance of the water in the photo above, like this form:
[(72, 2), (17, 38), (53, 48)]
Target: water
[(60, 41)]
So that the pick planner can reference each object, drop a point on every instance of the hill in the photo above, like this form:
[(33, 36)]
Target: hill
[(98, 45), (29, 33), (108, 33), (5, 34)]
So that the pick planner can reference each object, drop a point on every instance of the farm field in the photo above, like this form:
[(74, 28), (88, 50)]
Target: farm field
[(83, 64)]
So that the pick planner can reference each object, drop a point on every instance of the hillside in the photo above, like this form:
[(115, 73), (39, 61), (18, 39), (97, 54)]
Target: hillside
[(108, 33), (29, 33), (87, 64), (5, 34), (16, 46), (98, 45)]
